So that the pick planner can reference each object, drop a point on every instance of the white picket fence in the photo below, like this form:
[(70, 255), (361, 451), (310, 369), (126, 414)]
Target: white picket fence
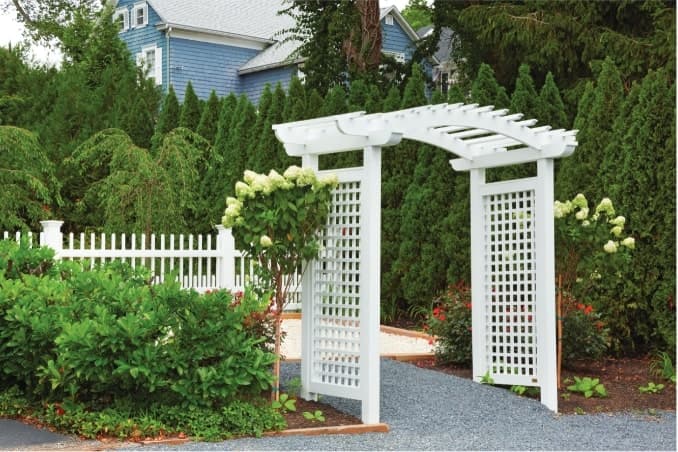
[(198, 262)]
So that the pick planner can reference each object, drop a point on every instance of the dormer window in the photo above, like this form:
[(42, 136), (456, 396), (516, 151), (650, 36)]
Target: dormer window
[(388, 19), (140, 15), (121, 17)]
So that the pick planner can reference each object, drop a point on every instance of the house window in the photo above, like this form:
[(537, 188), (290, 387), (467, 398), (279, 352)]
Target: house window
[(150, 61), (398, 56), (140, 14), (389, 19), (121, 17)]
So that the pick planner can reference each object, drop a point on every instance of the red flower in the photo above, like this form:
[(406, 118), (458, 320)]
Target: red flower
[(588, 309), (581, 307), (430, 342), (59, 411), (468, 305), (441, 317)]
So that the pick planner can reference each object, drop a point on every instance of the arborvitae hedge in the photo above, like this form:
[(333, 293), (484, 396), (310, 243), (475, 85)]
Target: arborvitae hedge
[(551, 107), (168, 119), (485, 89), (209, 120), (254, 162), (190, 110)]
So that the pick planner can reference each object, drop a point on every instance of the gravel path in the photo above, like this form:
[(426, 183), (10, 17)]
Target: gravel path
[(432, 410)]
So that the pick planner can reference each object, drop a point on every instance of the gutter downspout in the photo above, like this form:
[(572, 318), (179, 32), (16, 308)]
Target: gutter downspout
[(167, 45)]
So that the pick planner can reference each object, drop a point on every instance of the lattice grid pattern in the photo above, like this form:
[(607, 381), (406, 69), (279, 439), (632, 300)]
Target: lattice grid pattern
[(510, 284), (336, 311)]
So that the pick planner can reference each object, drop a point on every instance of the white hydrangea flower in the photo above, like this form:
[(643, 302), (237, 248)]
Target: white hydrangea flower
[(580, 201), (595, 275), (330, 180), (586, 223), (277, 179), (292, 172), (629, 242), (582, 214), (306, 177), (618, 221), (232, 211), (231, 201), (616, 231), (265, 241), (248, 176), (606, 207), (227, 221), (242, 190), (610, 247), (261, 183)]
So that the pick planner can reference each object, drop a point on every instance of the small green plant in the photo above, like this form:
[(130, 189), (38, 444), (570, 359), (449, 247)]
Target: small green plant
[(579, 410), (293, 386), (525, 390), (450, 322), (588, 386), (662, 366), (651, 388), (316, 416), (486, 379), (566, 395), (284, 404)]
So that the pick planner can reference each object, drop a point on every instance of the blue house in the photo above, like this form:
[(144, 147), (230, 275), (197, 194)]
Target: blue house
[(230, 46)]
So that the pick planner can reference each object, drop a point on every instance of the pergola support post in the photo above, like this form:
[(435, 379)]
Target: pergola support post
[(546, 286), (477, 177), (370, 237)]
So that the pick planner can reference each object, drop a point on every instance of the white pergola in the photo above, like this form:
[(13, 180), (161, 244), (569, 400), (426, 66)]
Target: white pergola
[(512, 246)]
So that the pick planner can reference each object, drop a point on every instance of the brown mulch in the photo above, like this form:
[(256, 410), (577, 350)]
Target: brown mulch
[(333, 417), (621, 378)]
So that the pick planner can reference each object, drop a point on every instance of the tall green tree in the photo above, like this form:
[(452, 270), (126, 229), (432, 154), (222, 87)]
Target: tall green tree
[(209, 120), (525, 98), (335, 104), (418, 14), (295, 103), (254, 162), (190, 109), (30, 189), (580, 172), (168, 119), (485, 89), (393, 100), (235, 157), (271, 153), (551, 107)]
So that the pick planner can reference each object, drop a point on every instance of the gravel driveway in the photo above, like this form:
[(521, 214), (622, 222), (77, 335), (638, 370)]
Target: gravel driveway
[(428, 410)]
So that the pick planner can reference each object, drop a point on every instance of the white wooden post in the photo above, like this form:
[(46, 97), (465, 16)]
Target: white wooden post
[(546, 288), (52, 236), (478, 312), (226, 261), (370, 238), (310, 161)]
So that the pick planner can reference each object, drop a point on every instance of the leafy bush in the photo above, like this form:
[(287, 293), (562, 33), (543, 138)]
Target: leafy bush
[(102, 334), (450, 321), (584, 334)]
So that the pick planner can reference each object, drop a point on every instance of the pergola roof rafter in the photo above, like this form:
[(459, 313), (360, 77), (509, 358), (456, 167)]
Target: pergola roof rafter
[(476, 134)]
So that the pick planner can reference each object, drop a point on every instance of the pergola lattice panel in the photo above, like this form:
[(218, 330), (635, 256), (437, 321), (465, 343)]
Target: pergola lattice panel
[(335, 351), (510, 287)]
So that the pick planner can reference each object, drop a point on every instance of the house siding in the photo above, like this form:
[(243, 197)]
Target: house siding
[(208, 66), (394, 39), (137, 38), (253, 84)]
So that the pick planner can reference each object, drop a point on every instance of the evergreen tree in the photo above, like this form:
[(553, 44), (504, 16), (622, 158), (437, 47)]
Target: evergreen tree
[(374, 100), (525, 99), (190, 110), (579, 172), (393, 100), (168, 119), (209, 120), (335, 104), (437, 97), (137, 120), (239, 140), (397, 175), (357, 95), (271, 151), (29, 186), (552, 109), (295, 105), (486, 91), (455, 95), (645, 193), (254, 162), (315, 104)]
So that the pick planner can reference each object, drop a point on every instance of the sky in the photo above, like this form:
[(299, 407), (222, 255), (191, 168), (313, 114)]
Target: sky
[(10, 31)]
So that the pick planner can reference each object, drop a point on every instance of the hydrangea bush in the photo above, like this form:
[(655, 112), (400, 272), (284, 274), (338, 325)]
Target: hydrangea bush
[(593, 255), (275, 220)]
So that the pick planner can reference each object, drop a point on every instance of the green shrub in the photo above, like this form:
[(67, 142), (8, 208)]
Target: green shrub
[(103, 334), (585, 335), (450, 321)]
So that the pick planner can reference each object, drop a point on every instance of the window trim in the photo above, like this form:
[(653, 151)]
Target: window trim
[(139, 6), (400, 57), (125, 18), (388, 20), (157, 63)]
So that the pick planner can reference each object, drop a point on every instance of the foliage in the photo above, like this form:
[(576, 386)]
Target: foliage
[(29, 186), (589, 387), (239, 138), (284, 403), (524, 390), (662, 366), (275, 221), (417, 13), (254, 159), (551, 107), (450, 322), (316, 416), (486, 379), (594, 259), (168, 119), (207, 127), (190, 109), (103, 334), (651, 388), (585, 335)]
